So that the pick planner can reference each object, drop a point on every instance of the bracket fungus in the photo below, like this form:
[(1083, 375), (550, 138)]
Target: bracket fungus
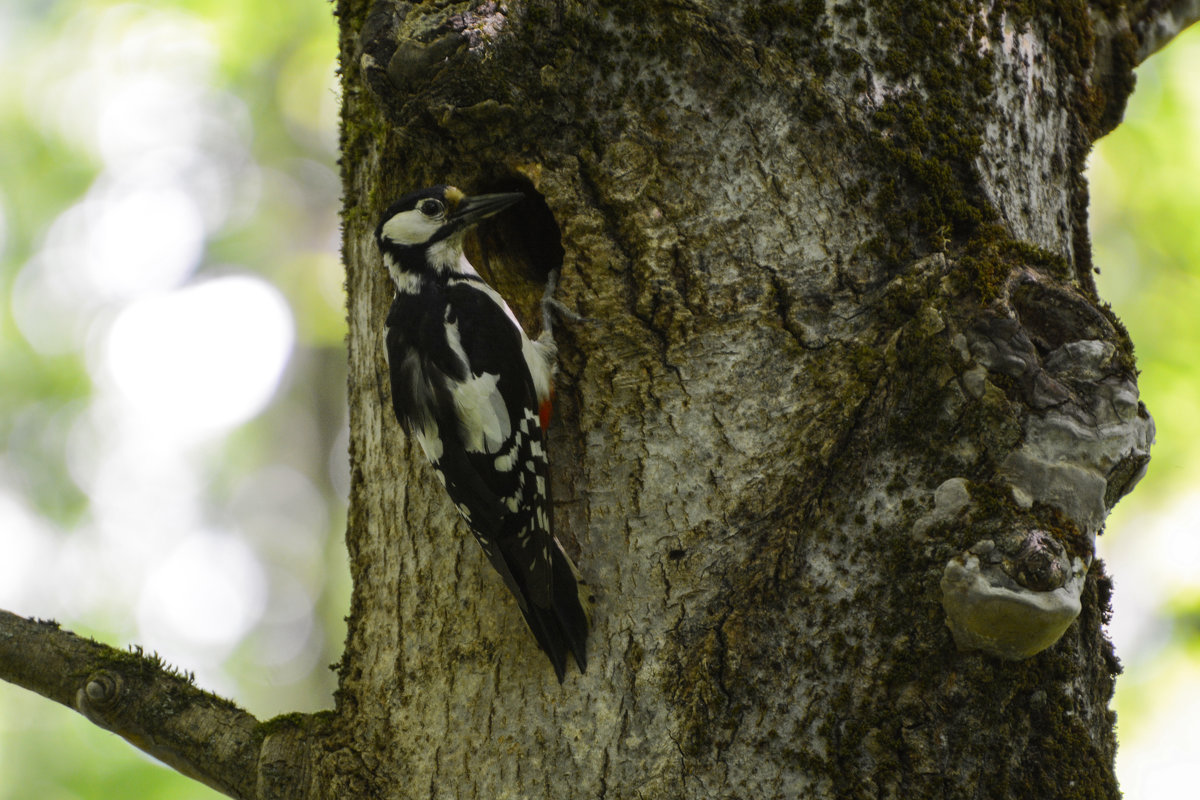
[(990, 610), (1085, 441)]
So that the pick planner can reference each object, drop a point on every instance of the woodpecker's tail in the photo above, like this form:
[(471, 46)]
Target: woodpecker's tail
[(559, 615)]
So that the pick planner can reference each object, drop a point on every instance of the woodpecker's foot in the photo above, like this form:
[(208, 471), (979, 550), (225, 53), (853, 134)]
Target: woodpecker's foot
[(550, 305)]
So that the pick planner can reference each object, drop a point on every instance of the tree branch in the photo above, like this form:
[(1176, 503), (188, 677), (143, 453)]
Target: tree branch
[(1156, 22), (1124, 40), (154, 707)]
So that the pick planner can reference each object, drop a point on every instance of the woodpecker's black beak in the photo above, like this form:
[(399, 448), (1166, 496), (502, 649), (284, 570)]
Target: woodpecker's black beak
[(475, 209)]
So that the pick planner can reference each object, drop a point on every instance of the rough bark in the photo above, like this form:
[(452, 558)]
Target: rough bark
[(843, 371), (836, 431)]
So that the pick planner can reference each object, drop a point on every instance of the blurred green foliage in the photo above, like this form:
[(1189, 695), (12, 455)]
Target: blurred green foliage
[(267, 70), (1145, 179), (1146, 235)]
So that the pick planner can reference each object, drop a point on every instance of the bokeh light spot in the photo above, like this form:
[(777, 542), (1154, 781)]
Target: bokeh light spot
[(204, 358), (205, 595)]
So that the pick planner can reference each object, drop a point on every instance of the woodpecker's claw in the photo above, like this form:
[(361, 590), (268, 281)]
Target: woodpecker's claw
[(551, 304)]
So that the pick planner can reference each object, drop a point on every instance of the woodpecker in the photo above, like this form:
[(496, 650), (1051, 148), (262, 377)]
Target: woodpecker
[(474, 391)]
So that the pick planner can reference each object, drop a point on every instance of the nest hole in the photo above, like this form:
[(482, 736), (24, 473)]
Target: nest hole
[(523, 242)]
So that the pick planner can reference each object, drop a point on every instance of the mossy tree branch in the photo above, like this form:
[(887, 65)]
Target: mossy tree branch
[(1125, 35), (1156, 22), (138, 697)]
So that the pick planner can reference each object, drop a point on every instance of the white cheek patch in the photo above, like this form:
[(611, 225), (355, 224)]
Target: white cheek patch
[(410, 227)]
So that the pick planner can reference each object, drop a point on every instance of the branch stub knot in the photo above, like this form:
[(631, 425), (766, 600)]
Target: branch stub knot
[(103, 691)]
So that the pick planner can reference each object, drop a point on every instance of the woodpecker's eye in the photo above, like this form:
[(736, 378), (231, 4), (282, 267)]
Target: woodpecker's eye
[(431, 207)]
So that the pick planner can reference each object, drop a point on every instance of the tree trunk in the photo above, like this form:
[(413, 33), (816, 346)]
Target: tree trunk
[(842, 377), (837, 425)]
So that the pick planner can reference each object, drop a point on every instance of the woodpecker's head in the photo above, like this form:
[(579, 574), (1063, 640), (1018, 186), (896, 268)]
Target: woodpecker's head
[(424, 229)]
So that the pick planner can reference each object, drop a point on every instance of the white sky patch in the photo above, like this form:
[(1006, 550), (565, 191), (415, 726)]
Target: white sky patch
[(87, 68), (28, 546), (1156, 559), (287, 626), (142, 238), (3, 224), (158, 132), (202, 598), (150, 111), (1157, 756), (202, 359)]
